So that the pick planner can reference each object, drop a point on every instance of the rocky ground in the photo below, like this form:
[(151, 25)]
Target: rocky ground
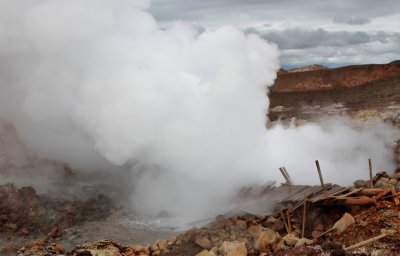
[(329, 229)]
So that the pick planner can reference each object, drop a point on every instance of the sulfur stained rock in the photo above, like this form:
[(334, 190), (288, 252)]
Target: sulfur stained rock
[(233, 249), (266, 240)]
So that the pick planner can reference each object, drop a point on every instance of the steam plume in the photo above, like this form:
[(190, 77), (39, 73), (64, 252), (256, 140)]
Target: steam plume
[(97, 81)]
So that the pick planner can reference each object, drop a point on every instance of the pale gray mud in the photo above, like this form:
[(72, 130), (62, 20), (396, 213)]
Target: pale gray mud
[(121, 226), (28, 218)]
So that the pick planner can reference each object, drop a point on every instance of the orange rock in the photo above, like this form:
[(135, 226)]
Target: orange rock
[(57, 248)]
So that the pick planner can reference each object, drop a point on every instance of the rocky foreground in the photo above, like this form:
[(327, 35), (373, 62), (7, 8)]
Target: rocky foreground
[(328, 228)]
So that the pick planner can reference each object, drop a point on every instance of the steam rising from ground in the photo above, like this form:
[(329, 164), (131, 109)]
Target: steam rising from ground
[(97, 82)]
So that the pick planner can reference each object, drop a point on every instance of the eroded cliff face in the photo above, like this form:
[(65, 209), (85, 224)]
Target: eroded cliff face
[(357, 91), (327, 79)]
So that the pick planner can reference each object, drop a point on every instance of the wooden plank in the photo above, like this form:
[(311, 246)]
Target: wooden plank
[(284, 221), (289, 222), (285, 176), (326, 193), (303, 227), (347, 194), (319, 173), (359, 200), (370, 191), (371, 184), (362, 243)]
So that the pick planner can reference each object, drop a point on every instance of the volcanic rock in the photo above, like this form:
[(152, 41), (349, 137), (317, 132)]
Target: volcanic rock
[(396, 176), (266, 240), (290, 239), (344, 222), (233, 249), (361, 184), (204, 243), (275, 224)]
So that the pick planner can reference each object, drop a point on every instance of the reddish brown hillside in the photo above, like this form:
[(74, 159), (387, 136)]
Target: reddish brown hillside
[(325, 79), (306, 95)]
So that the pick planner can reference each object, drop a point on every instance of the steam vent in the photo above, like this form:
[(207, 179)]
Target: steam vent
[(199, 128)]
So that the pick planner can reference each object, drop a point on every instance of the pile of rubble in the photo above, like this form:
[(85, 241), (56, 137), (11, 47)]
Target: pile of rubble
[(324, 220)]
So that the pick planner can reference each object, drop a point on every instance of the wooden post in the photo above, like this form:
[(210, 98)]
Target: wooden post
[(285, 176), (289, 222), (366, 242), (288, 176), (371, 184), (303, 228), (284, 221), (319, 173)]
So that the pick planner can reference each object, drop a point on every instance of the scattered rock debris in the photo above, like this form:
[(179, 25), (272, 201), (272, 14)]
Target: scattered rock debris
[(330, 226)]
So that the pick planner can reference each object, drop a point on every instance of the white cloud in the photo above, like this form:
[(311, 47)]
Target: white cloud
[(335, 25)]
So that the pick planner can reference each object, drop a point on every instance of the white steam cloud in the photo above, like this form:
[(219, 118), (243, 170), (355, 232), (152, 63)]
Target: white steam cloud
[(95, 80)]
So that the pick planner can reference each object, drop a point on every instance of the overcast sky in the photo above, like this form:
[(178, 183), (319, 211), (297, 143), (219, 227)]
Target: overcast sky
[(333, 33)]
